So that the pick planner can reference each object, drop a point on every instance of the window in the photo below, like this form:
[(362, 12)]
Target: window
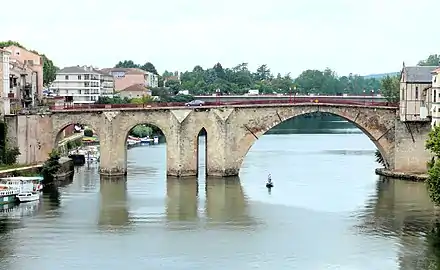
[(66, 77), (435, 96), (417, 92), (87, 77), (403, 94), (79, 77)]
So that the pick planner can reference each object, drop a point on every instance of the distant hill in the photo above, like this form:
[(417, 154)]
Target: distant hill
[(381, 75)]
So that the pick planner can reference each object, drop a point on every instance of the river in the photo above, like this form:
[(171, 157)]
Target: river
[(328, 210)]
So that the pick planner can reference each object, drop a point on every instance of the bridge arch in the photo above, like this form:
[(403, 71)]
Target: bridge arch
[(376, 123), (61, 121)]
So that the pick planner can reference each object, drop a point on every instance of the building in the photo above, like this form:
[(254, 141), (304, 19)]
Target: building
[(4, 82), (415, 93), (125, 77), (435, 110), (19, 83), (135, 91), (82, 84), (33, 61)]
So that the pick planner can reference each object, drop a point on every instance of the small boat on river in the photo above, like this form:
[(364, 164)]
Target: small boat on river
[(23, 184), (28, 196)]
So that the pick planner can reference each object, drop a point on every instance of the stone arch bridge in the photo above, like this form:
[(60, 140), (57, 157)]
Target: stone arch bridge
[(231, 131)]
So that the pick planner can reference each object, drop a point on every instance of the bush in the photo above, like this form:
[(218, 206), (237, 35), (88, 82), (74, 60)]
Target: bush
[(51, 166), (433, 182), (10, 155), (88, 133)]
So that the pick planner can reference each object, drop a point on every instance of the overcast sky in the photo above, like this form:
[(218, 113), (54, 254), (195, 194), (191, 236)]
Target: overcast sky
[(355, 36)]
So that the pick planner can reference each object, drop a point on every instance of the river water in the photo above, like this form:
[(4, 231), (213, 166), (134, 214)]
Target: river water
[(328, 210)]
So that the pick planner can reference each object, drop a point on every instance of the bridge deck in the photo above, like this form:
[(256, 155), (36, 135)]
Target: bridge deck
[(269, 105)]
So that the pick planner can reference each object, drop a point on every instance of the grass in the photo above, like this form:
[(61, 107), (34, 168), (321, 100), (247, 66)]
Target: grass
[(4, 167)]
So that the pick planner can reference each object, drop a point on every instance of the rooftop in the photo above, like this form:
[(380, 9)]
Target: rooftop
[(79, 70), (135, 88), (420, 74)]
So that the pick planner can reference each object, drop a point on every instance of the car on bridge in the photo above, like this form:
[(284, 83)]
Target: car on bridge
[(195, 102)]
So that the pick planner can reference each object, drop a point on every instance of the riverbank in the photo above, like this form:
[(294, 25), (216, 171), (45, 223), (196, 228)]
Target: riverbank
[(66, 170), (417, 177)]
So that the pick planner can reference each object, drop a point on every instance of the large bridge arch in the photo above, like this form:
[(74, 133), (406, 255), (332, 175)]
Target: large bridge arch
[(376, 122)]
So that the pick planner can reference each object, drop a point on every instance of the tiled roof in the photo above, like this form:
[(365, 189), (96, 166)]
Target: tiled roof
[(78, 70), (135, 88), (126, 70), (421, 74)]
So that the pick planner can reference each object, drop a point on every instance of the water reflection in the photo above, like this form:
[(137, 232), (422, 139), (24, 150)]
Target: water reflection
[(403, 211), (226, 204), (113, 207), (182, 199)]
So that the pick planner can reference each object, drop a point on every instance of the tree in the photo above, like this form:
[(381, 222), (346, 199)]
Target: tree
[(141, 131), (433, 182), (130, 64), (113, 100), (142, 100), (126, 64), (88, 133), (432, 60), (51, 167), (49, 71), (390, 88), (149, 67)]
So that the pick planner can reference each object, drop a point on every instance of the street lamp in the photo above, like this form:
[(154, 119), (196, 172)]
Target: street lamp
[(217, 92), (290, 94), (294, 93), (372, 96), (365, 100)]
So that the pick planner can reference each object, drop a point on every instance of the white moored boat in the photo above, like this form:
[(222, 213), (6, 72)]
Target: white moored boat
[(28, 196)]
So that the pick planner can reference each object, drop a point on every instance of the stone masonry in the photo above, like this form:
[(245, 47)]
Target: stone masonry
[(231, 132)]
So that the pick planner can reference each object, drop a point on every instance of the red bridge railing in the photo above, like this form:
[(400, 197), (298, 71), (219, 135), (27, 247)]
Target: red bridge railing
[(296, 100)]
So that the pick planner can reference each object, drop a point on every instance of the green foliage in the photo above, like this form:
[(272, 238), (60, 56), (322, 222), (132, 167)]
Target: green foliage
[(239, 79), (10, 155), (130, 64), (88, 133), (51, 166), (142, 100), (74, 144), (432, 60), (433, 182), (113, 100), (379, 158), (390, 88), (141, 131), (433, 142), (49, 69)]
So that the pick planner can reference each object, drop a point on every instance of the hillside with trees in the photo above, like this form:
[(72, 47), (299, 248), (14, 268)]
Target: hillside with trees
[(240, 79)]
